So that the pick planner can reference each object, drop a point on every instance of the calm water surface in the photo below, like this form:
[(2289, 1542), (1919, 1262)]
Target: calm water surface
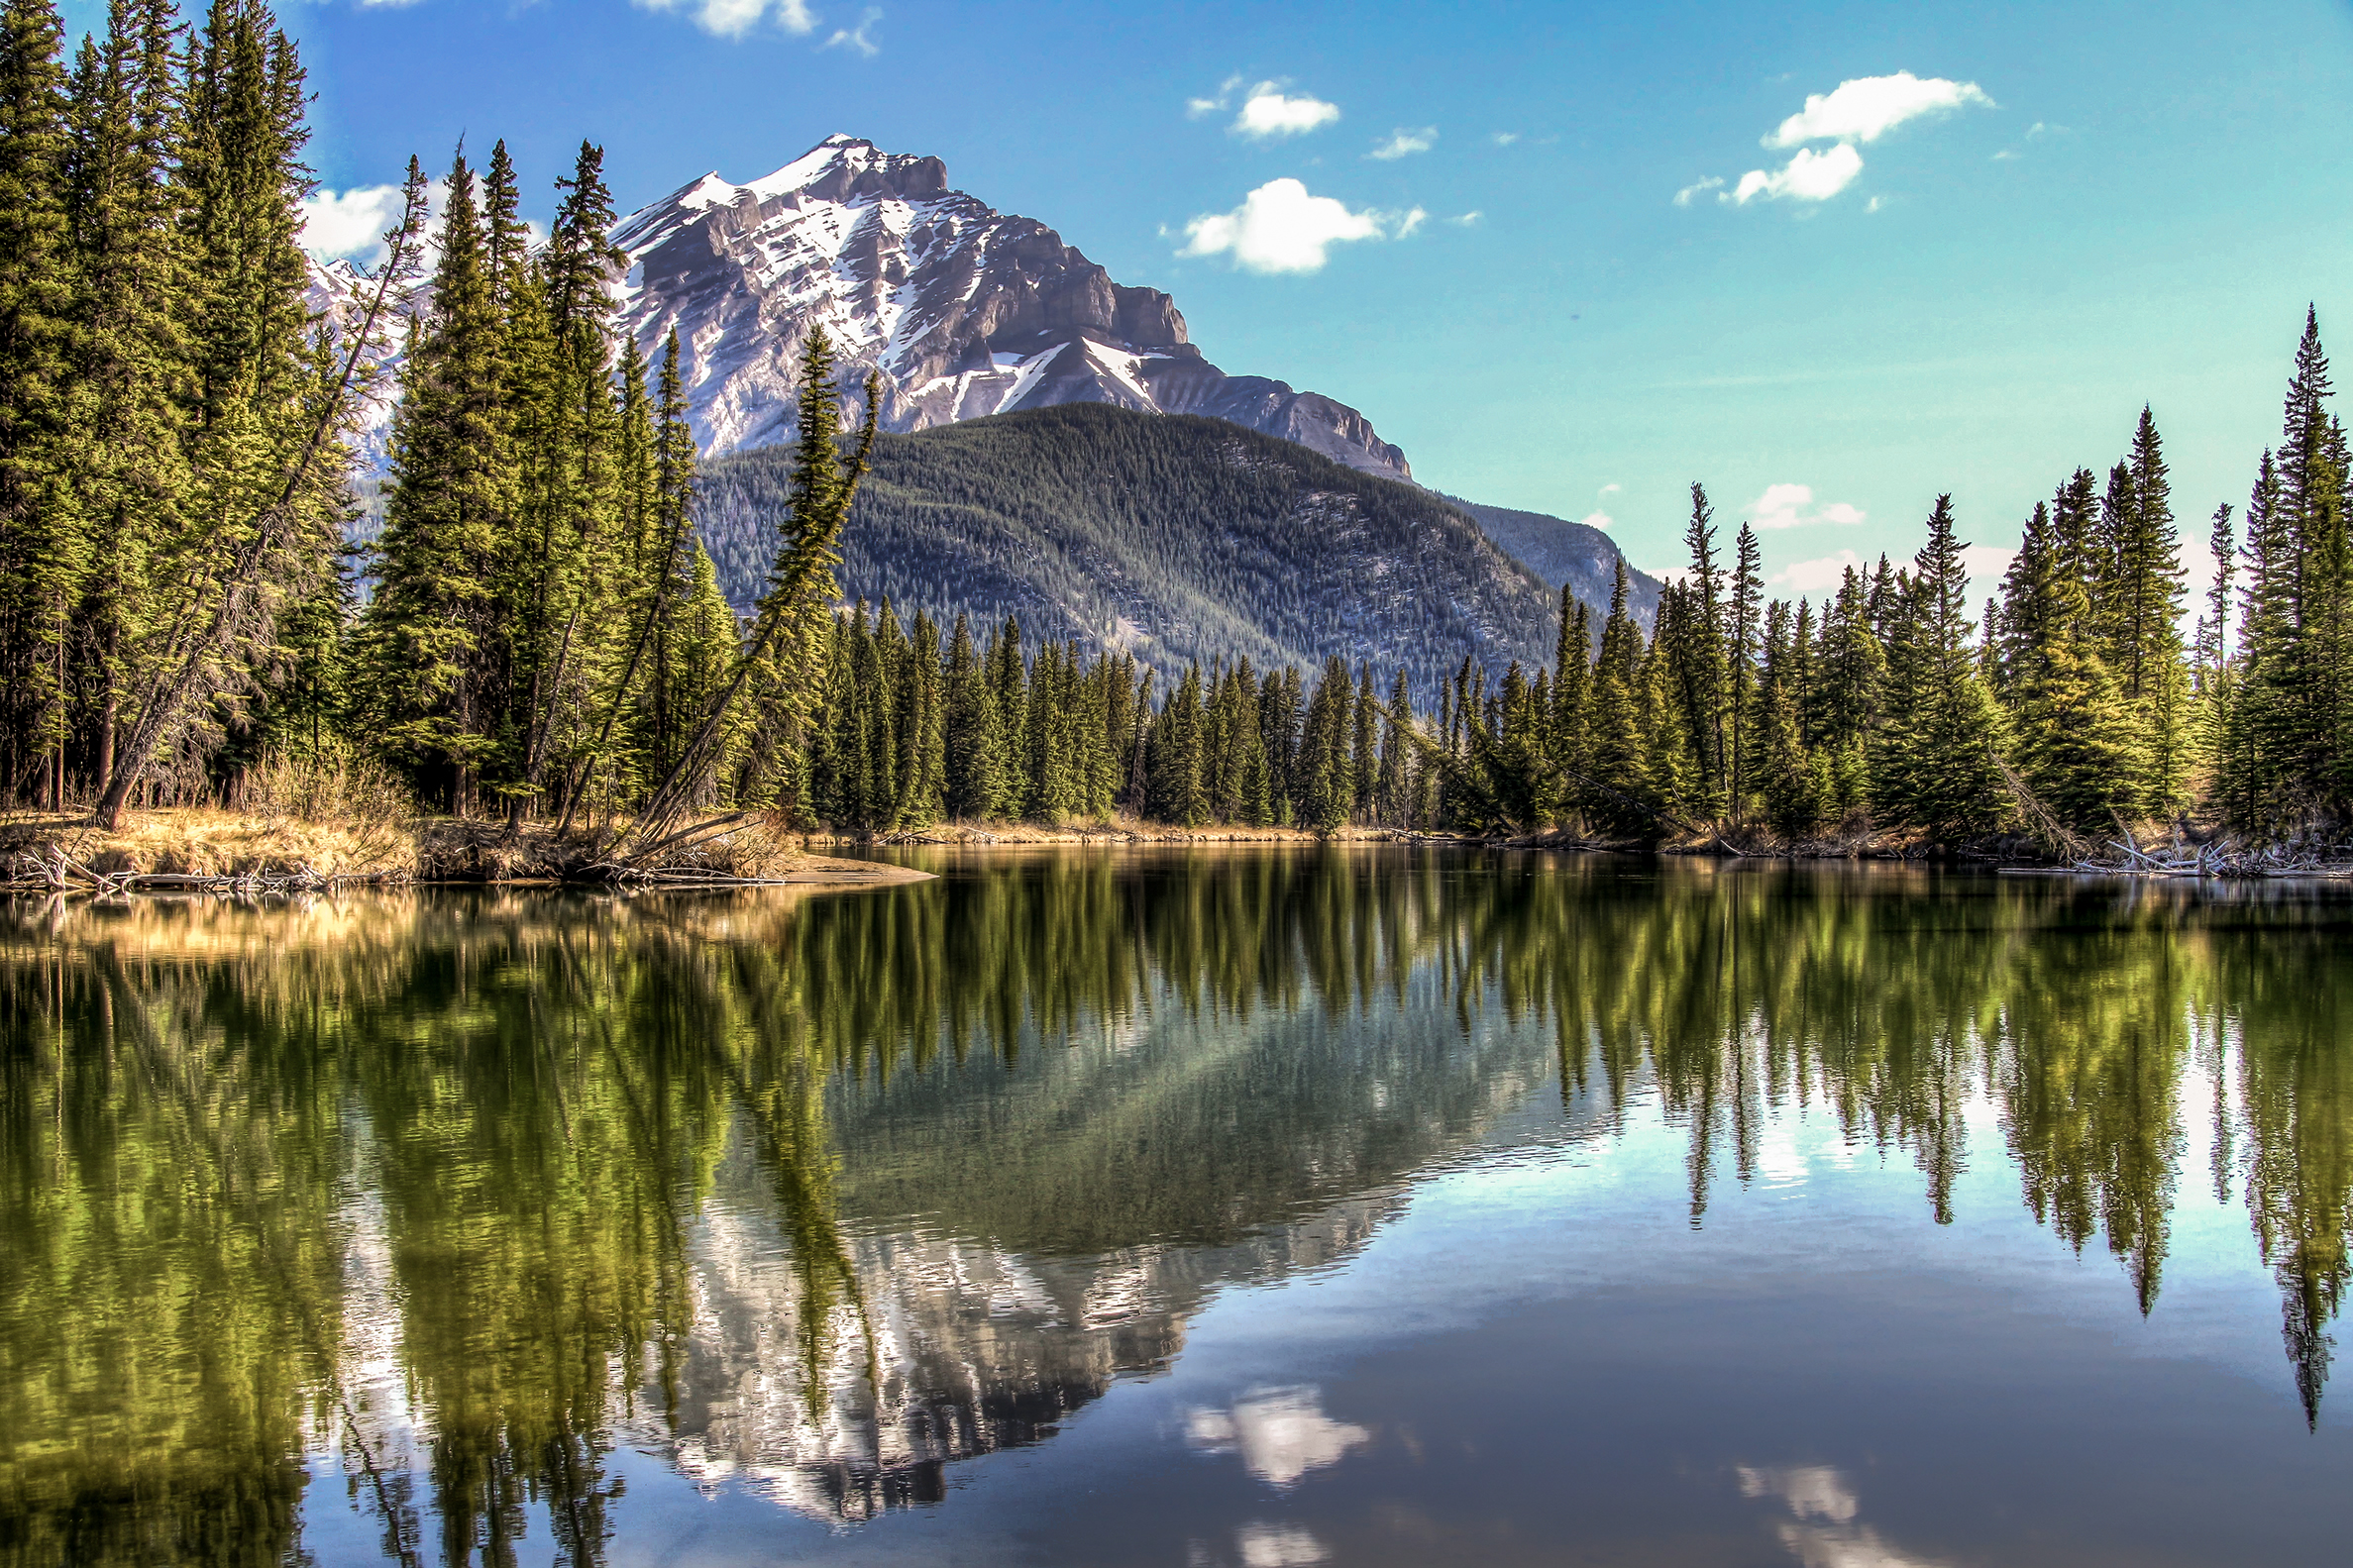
[(1261, 1209)]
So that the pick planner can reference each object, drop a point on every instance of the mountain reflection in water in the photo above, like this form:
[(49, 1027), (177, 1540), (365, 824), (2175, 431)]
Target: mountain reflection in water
[(459, 1196)]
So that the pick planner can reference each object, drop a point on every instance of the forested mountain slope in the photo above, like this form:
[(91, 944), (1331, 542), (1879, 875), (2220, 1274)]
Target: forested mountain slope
[(1175, 537), (1575, 556)]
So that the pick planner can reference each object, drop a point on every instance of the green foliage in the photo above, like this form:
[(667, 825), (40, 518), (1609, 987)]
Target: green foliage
[(2287, 752), (43, 549)]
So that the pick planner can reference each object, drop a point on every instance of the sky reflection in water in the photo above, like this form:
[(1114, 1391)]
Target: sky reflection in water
[(1263, 1207)]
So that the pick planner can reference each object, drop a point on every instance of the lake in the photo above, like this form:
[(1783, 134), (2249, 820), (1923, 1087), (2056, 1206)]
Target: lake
[(1259, 1207)]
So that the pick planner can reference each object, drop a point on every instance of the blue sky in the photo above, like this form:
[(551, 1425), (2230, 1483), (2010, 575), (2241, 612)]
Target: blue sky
[(1971, 283)]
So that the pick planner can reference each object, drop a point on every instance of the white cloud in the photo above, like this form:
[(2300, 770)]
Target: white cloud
[(1411, 221), (1280, 227), (1466, 220), (1504, 138), (349, 223), (353, 223), (1611, 488), (1808, 176), (735, 18), (1862, 109), (859, 38), (1792, 506), (1269, 112), (1403, 143), (1597, 519), (1867, 107), (1822, 574), (2004, 156), (1874, 204), (1195, 108), (1986, 562)]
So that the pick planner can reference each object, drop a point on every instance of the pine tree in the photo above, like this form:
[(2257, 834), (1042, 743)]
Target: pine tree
[(43, 550), (2143, 603), (2213, 627), (783, 650), (1788, 784), (451, 501), (1178, 793), (1323, 762), (131, 369), (1279, 713), (971, 740), (564, 602), (2253, 772), (2074, 729), (1937, 769), (1363, 758), (268, 400), (1620, 771), (705, 653), (1747, 595), (2312, 523), (1692, 651), (1393, 792)]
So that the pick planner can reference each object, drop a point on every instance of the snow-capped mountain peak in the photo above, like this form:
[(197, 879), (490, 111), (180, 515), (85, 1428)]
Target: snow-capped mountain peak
[(963, 310)]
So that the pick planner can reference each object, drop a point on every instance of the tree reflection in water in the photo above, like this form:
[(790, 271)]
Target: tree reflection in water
[(453, 1194)]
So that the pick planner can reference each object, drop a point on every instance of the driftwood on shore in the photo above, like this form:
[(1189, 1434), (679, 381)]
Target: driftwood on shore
[(2216, 860)]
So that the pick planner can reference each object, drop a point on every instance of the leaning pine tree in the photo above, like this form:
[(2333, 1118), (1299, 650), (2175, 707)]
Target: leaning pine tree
[(784, 635)]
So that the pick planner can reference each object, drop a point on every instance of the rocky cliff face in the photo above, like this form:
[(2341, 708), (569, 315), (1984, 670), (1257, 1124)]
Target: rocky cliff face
[(962, 310)]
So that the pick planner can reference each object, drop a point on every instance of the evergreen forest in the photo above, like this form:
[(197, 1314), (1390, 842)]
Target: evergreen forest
[(560, 622), (1182, 540)]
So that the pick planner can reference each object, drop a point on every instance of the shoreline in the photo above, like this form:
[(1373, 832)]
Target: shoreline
[(203, 851), (200, 850)]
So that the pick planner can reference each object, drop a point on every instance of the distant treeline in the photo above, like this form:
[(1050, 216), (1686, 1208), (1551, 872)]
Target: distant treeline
[(2074, 703)]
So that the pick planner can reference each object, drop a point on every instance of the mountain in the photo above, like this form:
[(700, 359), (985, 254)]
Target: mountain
[(1250, 529), (1575, 556), (964, 311), (1180, 538)]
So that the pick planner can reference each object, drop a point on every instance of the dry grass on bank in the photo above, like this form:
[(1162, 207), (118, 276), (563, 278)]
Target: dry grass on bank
[(269, 846), (205, 841)]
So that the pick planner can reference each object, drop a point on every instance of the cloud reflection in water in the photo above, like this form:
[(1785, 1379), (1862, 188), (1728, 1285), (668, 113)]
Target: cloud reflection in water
[(1281, 1434), (1824, 1534)]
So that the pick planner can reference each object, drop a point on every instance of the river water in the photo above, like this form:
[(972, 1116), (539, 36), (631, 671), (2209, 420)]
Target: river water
[(1263, 1207)]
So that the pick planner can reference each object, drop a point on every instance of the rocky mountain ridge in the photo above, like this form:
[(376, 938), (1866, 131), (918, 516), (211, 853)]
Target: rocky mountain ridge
[(964, 311)]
